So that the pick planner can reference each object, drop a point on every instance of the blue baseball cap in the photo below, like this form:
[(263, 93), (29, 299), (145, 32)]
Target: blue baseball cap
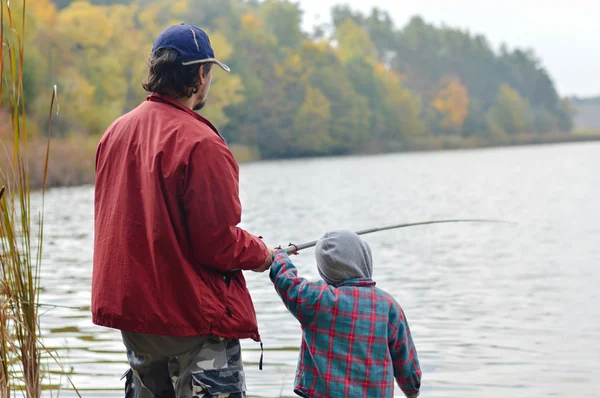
[(192, 44)]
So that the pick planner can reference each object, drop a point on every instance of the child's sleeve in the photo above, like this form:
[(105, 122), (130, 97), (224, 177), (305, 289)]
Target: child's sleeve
[(297, 293), (404, 354)]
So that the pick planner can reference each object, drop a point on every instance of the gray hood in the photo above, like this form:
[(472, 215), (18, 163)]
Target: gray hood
[(343, 255)]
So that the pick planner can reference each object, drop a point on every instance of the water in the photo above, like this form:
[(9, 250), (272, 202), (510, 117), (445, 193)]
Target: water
[(495, 310)]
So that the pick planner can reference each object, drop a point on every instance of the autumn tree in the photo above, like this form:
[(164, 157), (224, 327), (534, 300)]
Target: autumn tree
[(361, 80), (350, 112), (91, 76), (226, 88), (354, 43), (452, 101), (510, 113), (312, 124), (401, 110)]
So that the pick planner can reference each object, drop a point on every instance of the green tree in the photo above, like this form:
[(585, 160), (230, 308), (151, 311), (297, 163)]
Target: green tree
[(354, 43), (401, 109), (312, 123), (544, 121), (283, 19), (350, 113), (360, 80), (365, 82), (511, 113), (476, 123)]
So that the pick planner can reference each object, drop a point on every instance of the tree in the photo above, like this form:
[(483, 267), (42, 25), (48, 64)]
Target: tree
[(283, 19), (311, 124), (265, 117), (362, 80), (350, 113), (476, 123), (452, 102), (401, 109), (83, 34), (511, 113), (226, 89), (544, 121), (342, 13), (365, 82), (354, 43)]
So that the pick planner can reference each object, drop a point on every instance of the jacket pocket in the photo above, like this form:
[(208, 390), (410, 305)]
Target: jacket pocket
[(218, 381), (240, 316)]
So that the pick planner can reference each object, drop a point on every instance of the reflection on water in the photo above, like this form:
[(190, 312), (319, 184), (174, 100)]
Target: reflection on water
[(495, 310)]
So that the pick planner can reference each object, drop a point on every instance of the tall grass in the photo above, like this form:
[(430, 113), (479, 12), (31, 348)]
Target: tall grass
[(21, 232)]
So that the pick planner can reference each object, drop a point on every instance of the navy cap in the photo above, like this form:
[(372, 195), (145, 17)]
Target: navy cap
[(192, 44)]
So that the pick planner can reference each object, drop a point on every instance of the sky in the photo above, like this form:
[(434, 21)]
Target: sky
[(564, 34)]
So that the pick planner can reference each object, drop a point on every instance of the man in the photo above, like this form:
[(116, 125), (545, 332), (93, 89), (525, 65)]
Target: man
[(168, 255)]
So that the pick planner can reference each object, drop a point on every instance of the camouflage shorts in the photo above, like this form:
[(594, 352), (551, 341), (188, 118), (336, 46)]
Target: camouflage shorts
[(212, 368)]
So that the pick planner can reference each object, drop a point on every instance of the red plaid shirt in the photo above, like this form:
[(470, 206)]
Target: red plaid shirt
[(355, 337)]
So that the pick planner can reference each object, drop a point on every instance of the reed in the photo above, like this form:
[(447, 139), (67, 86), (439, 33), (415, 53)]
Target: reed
[(21, 229)]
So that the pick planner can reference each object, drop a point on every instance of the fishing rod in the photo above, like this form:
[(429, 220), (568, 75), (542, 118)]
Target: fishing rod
[(294, 249)]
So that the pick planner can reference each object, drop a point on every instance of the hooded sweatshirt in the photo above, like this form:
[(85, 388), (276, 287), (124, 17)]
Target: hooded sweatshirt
[(343, 255), (355, 337)]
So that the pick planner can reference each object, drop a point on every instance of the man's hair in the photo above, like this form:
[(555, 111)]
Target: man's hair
[(167, 76)]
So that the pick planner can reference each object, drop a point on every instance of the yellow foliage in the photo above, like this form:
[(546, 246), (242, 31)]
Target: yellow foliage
[(84, 24), (320, 52), (110, 45), (510, 112), (401, 107), (154, 18), (453, 102), (78, 93), (354, 43), (251, 21), (220, 44), (293, 70), (43, 13), (148, 16), (392, 79), (180, 7), (311, 124), (226, 90)]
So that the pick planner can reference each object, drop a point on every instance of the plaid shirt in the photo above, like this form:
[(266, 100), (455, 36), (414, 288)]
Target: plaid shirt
[(355, 337)]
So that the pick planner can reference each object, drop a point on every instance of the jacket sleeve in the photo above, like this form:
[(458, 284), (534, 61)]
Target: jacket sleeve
[(298, 294), (213, 210), (404, 354)]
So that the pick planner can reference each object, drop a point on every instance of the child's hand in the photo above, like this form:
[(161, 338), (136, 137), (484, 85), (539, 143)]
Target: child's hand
[(267, 263)]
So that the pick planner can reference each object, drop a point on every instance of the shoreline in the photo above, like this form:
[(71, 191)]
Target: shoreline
[(437, 144), (72, 161)]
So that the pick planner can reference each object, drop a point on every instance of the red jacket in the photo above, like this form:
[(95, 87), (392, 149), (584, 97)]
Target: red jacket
[(167, 250)]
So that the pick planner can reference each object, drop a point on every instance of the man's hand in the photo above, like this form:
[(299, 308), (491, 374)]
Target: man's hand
[(267, 263)]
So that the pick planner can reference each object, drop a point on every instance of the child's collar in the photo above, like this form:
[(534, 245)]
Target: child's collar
[(359, 282)]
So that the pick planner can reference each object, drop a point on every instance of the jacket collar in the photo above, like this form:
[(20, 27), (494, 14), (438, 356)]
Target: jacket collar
[(358, 282), (170, 101)]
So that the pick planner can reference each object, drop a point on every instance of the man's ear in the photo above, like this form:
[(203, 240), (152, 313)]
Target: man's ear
[(201, 74)]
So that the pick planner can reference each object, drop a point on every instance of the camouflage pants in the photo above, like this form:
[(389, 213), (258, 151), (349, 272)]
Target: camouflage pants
[(202, 367)]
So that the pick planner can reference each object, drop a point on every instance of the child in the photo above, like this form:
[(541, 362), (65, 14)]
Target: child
[(355, 338)]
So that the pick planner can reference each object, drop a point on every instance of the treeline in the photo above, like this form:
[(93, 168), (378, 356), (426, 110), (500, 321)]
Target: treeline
[(587, 114), (589, 100), (362, 82)]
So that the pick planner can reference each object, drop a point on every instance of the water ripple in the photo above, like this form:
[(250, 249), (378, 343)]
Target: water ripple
[(495, 310)]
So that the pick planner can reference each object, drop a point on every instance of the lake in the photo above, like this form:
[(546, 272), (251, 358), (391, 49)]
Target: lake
[(496, 310)]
